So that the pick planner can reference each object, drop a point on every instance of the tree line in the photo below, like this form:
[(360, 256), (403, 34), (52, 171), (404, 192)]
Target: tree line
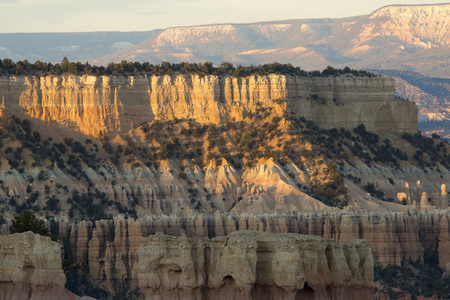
[(124, 68)]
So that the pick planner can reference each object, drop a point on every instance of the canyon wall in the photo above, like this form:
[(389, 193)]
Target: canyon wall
[(31, 268), (118, 104), (255, 265), (267, 187), (392, 236)]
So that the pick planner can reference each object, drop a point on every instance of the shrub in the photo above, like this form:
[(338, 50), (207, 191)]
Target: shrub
[(28, 222), (370, 188)]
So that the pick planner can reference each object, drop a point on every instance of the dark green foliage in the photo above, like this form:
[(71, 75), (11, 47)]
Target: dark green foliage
[(333, 191), (120, 288), (61, 147), (28, 222), (108, 148), (84, 205), (41, 176), (429, 151), (53, 204), (77, 147), (169, 149), (78, 283), (330, 71), (165, 68), (366, 143), (415, 278), (370, 188), (368, 137), (435, 136)]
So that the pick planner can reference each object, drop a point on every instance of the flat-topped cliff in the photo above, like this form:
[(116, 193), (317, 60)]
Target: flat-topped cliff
[(118, 104)]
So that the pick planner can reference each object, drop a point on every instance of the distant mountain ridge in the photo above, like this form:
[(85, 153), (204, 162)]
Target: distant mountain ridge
[(53, 47), (399, 37), (412, 38)]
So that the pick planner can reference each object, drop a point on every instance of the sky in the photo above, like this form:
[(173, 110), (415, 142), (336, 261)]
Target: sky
[(143, 15)]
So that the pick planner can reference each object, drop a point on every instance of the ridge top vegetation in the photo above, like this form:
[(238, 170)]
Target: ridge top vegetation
[(8, 67)]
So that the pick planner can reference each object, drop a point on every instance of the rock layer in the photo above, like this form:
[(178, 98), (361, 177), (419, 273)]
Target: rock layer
[(118, 104), (392, 236), (31, 268), (255, 265)]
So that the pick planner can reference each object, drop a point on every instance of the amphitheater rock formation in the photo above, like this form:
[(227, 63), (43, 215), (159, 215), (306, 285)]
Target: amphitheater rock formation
[(392, 236), (255, 265), (118, 104), (31, 268)]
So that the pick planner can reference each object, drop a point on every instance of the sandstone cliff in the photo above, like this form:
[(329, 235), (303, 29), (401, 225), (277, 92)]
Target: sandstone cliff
[(392, 236), (118, 104), (31, 268), (255, 265)]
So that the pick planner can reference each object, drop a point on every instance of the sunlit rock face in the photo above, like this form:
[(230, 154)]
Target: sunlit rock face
[(118, 104)]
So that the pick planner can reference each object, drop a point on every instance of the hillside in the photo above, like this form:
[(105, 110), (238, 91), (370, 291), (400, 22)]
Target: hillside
[(411, 38), (270, 161)]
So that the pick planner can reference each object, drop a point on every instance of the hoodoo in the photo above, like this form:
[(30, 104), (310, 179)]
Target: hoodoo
[(31, 268), (255, 265)]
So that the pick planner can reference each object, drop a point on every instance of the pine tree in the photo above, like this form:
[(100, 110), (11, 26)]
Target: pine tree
[(28, 222)]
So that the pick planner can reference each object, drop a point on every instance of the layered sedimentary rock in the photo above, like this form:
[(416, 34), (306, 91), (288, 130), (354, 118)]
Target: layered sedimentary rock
[(118, 104), (31, 268), (255, 265), (392, 236), (267, 187)]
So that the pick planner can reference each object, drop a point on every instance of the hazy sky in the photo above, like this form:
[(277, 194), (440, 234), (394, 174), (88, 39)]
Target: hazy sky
[(141, 15)]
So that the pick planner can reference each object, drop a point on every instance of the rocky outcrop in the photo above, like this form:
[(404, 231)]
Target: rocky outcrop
[(255, 265), (266, 187), (392, 236), (109, 248), (31, 268), (118, 104)]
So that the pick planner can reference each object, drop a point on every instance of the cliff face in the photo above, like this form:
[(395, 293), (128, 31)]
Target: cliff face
[(118, 104), (392, 236), (31, 268), (255, 265)]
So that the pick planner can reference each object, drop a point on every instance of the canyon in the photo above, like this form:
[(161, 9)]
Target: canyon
[(320, 130), (118, 244), (200, 186)]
